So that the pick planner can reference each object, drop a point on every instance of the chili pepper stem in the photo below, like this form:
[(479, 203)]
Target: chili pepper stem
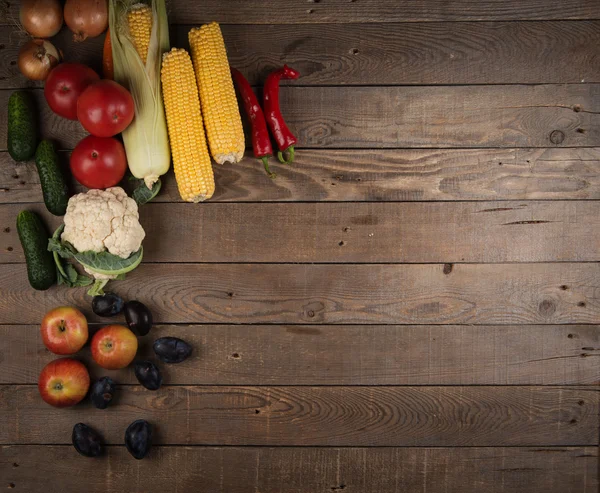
[(282, 160), (265, 160)]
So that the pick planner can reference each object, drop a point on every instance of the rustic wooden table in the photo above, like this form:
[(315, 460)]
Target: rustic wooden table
[(411, 306)]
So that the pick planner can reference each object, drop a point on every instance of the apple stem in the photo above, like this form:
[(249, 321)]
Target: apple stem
[(62, 326)]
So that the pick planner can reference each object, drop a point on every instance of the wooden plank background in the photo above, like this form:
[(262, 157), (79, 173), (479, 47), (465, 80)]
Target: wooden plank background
[(368, 54), (423, 117), (368, 470), (377, 175), (361, 11), (412, 306), (357, 233), (332, 416), (560, 293), (348, 355)]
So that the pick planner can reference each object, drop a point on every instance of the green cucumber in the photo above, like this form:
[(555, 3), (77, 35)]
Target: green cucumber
[(22, 135), (41, 269), (54, 186)]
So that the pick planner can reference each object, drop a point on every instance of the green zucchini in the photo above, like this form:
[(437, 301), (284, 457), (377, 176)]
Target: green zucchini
[(33, 234), (54, 186), (22, 134)]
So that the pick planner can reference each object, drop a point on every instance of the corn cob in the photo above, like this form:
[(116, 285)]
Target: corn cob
[(139, 19), (191, 161), (217, 95)]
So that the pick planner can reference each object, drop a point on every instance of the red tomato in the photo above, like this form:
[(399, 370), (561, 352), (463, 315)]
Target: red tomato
[(64, 85), (98, 162), (105, 108)]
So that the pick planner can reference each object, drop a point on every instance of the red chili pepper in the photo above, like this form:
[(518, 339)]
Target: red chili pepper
[(261, 143), (284, 138)]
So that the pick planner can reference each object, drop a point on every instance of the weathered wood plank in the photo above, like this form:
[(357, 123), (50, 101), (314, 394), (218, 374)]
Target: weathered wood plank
[(562, 293), (348, 355), (383, 54), (343, 11), (428, 117), (332, 416), (419, 232), (377, 175), (305, 470)]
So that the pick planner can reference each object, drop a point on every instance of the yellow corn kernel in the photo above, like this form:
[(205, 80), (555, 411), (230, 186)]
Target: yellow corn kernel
[(139, 19), (217, 94), (191, 161)]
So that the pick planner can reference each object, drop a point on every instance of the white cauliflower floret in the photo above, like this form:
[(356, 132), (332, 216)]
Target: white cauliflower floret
[(103, 220)]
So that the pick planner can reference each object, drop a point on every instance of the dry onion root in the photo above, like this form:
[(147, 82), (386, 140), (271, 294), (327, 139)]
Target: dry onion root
[(86, 18), (37, 58), (41, 18)]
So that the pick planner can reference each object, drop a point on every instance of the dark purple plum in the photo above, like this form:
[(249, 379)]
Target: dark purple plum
[(107, 305), (172, 349), (102, 392), (138, 438), (138, 317), (148, 374), (87, 441)]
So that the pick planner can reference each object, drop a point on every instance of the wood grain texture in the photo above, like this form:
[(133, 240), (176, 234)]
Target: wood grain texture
[(343, 11), (376, 175), (427, 117), (329, 416), (305, 470), (383, 54), (345, 355), (342, 294), (419, 232)]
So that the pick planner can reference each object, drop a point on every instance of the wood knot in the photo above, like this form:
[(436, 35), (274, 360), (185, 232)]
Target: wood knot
[(577, 108), (557, 137), (547, 308), (314, 310), (448, 268)]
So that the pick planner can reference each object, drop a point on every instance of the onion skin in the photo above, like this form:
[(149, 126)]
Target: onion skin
[(41, 18), (37, 58), (86, 18)]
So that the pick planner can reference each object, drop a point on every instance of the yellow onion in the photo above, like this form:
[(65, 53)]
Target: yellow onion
[(86, 18), (41, 18), (36, 58)]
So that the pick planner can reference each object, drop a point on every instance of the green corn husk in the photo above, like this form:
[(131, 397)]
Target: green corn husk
[(146, 139)]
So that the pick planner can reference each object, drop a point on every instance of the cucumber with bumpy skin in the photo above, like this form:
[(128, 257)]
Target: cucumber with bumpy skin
[(54, 187), (22, 135), (34, 240)]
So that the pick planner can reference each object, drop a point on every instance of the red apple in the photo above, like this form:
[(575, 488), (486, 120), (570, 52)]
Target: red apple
[(64, 382), (64, 330), (114, 347)]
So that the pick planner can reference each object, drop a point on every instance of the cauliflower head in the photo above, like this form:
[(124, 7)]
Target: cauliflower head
[(102, 220)]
